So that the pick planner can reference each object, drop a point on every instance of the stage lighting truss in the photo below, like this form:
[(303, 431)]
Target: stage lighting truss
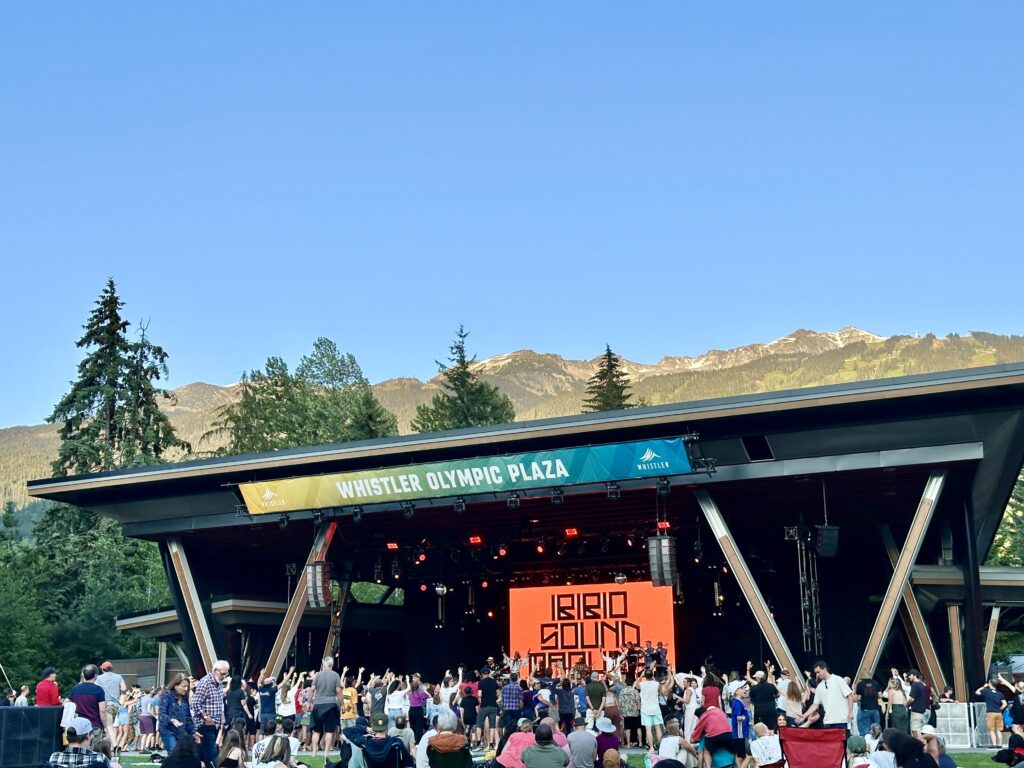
[(513, 501), (459, 507), (614, 492), (557, 497)]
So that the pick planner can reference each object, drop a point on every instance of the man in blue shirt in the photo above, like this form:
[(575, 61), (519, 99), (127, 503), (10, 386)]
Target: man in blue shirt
[(995, 703)]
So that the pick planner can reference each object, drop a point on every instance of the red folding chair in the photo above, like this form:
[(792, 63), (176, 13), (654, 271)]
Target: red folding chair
[(814, 747)]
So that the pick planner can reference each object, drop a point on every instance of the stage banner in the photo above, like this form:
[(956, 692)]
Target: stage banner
[(544, 469), (578, 625)]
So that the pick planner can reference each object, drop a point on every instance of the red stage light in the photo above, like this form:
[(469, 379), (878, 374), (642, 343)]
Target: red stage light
[(423, 587), (663, 525), (393, 546), (502, 551), (421, 557), (483, 584), (571, 533), (490, 614), (476, 541), (540, 549)]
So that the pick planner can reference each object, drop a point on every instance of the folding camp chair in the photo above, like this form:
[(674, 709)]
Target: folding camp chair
[(814, 747)]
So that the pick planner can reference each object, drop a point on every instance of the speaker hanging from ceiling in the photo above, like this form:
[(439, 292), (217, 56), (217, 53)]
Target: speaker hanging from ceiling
[(318, 584), (662, 553)]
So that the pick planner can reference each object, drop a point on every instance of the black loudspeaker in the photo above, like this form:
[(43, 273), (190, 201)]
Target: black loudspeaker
[(662, 552), (29, 735), (827, 539)]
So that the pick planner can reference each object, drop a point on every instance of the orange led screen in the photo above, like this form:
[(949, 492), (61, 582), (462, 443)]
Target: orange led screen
[(574, 625)]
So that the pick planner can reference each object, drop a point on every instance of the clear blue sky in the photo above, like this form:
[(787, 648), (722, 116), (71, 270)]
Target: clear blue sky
[(666, 177)]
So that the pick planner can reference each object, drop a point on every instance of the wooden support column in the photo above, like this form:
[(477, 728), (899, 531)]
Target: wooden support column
[(748, 586), (990, 638), (193, 605), (337, 618), (914, 623), (956, 642), (297, 605), (901, 572), (161, 664)]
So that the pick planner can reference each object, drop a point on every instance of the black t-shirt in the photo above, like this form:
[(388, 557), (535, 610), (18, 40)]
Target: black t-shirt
[(867, 689), (378, 698), (566, 701), (469, 705), (233, 703), (920, 697), (268, 707), (488, 689), (764, 696)]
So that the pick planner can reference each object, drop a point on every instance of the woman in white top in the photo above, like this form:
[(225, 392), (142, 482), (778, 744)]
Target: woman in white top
[(285, 705), (397, 702), (691, 700), (278, 754), (674, 746)]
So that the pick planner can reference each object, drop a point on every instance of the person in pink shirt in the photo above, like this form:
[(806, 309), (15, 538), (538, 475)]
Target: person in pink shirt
[(714, 726), (512, 755)]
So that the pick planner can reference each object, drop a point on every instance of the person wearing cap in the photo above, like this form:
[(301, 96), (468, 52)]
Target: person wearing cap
[(582, 745), (607, 738), (113, 686), (995, 703), (936, 747), (381, 750), (764, 694), (544, 753), (512, 754), (267, 693), (78, 752), (47, 694), (857, 752)]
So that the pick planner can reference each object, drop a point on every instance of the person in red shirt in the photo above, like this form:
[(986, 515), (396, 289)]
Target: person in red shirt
[(47, 694), (714, 726)]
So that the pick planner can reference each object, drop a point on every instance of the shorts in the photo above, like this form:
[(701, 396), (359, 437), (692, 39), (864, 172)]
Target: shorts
[(739, 747), (631, 723), (305, 719), (917, 721), (646, 720), (326, 718), (108, 713), (147, 724), (487, 716), (993, 721)]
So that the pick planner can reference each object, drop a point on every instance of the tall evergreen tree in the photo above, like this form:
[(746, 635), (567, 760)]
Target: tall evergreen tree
[(467, 401), (110, 418), (608, 389), (326, 400)]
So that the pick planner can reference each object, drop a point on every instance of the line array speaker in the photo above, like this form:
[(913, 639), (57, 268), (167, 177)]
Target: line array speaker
[(662, 553)]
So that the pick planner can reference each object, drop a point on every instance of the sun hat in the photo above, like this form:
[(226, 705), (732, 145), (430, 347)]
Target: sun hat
[(605, 725)]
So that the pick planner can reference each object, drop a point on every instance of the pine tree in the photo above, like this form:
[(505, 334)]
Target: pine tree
[(466, 401), (327, 400), (608, 389), (110, 418)]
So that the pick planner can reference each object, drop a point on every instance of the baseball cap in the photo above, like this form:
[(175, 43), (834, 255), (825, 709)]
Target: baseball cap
[(379, 721), (269, 681), (735, 685), (759, 675), (106, 666), (49, 671), (524, 720), (80, 726), (857, 745)]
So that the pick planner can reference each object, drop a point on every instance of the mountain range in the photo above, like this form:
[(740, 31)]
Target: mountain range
[(543, 385)]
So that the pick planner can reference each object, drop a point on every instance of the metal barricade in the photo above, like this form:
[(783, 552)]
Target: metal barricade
[(956, 724)]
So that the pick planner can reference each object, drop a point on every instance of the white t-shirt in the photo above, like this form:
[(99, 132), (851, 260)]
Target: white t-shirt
[(260, 747), (421, 749), (766, 750), (833, 694), (669, 746), (397, 700), (650, 690), (783, 685)]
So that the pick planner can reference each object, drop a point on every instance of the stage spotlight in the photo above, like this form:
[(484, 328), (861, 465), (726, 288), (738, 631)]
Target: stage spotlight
[(282, 521), (572, 533), (540, 547), (664, 488), (630, 541), (663, 525), (562, 549), (614, 494), (378, 571), (557, 497), (459, 506), (483, 584), (475, 540), (318, 517), (605, 545), (423, 587), (502, 550), (408, 509), (396, 569), (440, 590), (513, 501), (620, 578), (392, 546), (582, 548), (698, 552), (357, 514)]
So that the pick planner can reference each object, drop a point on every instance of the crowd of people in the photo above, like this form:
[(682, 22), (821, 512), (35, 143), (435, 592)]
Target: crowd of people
[(507, 715)]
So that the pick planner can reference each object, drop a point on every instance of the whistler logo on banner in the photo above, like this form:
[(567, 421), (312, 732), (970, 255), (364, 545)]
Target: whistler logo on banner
[(651, 460), (269, 499)]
